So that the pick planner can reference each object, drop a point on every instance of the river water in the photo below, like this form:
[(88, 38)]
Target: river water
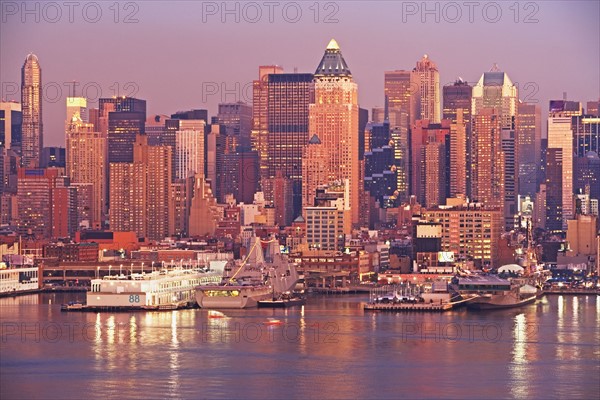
[(328, 349)]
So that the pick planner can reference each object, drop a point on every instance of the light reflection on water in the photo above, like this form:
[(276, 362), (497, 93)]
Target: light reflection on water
[(328, 348)]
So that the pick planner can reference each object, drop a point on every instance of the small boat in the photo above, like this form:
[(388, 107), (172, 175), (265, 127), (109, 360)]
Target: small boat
[(72, 306), (216, 314), (273, 321), (282, 302)]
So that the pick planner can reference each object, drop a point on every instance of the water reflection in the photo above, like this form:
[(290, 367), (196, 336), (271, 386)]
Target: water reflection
[(329, 348)]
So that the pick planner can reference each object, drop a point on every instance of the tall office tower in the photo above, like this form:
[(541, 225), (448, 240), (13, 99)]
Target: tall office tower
[(398, 98), (77, 105), (237, 119), (586, 135), (539, 211), (458, 155), (380, 170), (495, 90), (94, 118), (289, 96), (592, 108), (140, 197), (158, 191), (487, 158), (239, 176), (529, 133), (125, 118), (560, 137), (334, 117), (260, 123), (193, 120), (34, 194), (214, 156), (189, 148), (422, 133), (11, 122), (181, 202), (363, 120), (31, 104), (458, 96), (554, 190), (87, 153), (425, 82)]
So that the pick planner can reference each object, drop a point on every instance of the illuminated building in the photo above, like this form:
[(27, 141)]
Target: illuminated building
[(334, 118), (31, 105), (425, 83)]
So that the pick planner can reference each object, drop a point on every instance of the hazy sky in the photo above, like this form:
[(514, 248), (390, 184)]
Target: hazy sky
[(181, 55)]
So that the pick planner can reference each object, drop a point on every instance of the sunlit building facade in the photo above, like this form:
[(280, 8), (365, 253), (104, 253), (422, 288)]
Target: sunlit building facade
[(31, 105)]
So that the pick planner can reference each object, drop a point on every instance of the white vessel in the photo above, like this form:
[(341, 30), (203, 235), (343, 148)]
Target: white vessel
[(247, 282), (17, 280), (164, 289)]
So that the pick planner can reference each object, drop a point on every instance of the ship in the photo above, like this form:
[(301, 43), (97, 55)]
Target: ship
[(253, 279), (16, 280), (490, 292), (165, 289)]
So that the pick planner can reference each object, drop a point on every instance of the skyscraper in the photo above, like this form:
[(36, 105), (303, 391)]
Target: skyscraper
[(35, 188), (458, 155), (425, 163), (487, 158), (260, 123), (86, 153), (11, 122), (189, 149), (334, 118), (237, 119), (457, 96), (140, 200), (560, 139), (125, 118), (289, 96), (425, 83), (529, 133), (495, 90), (400, 104), (31, 104)]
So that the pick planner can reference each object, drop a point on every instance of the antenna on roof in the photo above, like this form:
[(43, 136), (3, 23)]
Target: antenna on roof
[(495, 68)]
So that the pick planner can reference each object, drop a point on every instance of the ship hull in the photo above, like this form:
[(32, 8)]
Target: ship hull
[(498, 303), (247, 297)]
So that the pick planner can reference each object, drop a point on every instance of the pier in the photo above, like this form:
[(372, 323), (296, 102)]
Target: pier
[(417, 307)]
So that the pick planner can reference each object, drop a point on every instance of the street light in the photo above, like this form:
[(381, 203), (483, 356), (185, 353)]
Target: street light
[(109, 268), (97, 272)]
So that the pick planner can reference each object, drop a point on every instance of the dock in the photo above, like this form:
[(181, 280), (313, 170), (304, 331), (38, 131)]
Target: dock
[(570, 291), (417, 307)]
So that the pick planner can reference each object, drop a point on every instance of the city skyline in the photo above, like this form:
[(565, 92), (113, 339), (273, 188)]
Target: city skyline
[(209, 75)]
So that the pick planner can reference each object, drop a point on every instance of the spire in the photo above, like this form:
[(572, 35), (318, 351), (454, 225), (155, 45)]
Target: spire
[(333, 63), (333, 45)]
